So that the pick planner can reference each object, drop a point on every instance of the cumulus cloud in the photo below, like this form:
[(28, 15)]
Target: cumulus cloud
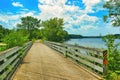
[(27, 14), (57, 8), (76, 20), (11, 20), (6, 18), (87, 27), (90, 3), (17, 4)]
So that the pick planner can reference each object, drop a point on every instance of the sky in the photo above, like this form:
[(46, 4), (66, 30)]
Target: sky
[(82, 17)]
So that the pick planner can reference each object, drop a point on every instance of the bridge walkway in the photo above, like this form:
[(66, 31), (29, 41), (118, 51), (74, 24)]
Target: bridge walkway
[(44, 63)]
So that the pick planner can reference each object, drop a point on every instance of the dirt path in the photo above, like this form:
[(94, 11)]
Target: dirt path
[(43, 63)]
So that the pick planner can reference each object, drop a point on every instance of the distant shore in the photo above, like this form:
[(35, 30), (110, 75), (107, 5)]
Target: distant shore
[(76, 36)]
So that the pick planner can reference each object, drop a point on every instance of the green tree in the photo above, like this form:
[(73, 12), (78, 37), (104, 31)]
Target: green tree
[(30, 24), (113, 7), (53, 30), (3, 32), (15, 38)]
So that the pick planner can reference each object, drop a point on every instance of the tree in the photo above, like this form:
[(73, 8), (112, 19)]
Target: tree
[(53, 30), (113, 56), (15, 38), (30, 24), (113, 7), (3, 32)]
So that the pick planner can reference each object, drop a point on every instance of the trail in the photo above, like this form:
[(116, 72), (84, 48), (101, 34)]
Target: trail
[(43, 63)]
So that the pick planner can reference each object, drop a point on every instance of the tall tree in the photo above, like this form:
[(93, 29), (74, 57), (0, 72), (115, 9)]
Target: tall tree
[(30, 24), (53, 30), (113, 7)]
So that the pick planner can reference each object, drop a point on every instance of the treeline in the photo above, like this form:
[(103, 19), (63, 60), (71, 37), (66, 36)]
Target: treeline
[(76, 36), (32, 28)]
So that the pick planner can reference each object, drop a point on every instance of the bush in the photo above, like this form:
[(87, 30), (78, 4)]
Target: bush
[(113, 55), (15, 39)]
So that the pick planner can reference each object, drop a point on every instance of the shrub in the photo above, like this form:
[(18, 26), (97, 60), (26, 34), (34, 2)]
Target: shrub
[(15, 39), (113, 55)]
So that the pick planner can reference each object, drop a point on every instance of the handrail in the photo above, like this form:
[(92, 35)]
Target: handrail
[(89, 57), (10, 59)]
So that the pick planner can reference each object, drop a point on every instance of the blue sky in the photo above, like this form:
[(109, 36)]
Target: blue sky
[(80, 16)]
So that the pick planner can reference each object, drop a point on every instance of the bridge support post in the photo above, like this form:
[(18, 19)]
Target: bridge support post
[(105, 62)]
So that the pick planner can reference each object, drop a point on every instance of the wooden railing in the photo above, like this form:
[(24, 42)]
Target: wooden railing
[(90, 58), (10, 59)]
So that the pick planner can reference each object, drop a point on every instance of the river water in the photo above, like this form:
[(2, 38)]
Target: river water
[(90, 42)]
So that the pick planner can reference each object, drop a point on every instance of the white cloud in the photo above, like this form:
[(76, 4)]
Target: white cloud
[(90, 5), (85, 17), (25, 9), (72, 15), (6, 18), (87, 27), (57, 8), (11, 20), (27, 14), (17, 4)]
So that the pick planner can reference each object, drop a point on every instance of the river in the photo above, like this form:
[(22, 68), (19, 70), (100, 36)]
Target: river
[(90, 42)]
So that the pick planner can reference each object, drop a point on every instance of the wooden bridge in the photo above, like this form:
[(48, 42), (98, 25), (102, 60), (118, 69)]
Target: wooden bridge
[(53, 61)]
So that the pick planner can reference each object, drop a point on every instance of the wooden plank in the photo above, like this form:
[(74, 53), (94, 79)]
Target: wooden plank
[(16, 61), (100, 61), (71, 49), (4, 65), (91, 58), (97, 51), (98, 68), (85, 51), (58, 48), (7, 53), (2, 57), (4, 75), (12, 51)]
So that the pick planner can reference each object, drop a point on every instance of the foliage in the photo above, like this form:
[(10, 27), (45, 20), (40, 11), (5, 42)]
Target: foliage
[(74, 36), (113, 7), (36, 34), (53, 30), (113, 55), (2, 48), (3, 32), (15, 39), (30, 24)]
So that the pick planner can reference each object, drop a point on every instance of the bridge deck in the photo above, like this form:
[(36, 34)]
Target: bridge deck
[(43, 63)]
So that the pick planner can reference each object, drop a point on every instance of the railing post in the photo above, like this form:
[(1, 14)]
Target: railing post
[(65, 53), (105, 62)]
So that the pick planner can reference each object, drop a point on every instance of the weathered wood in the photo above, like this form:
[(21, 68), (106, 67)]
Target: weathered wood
[(11, 58), (105, 62), (98, 68), (7, 62), (88, 56), (43, 63), (8, 53)]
